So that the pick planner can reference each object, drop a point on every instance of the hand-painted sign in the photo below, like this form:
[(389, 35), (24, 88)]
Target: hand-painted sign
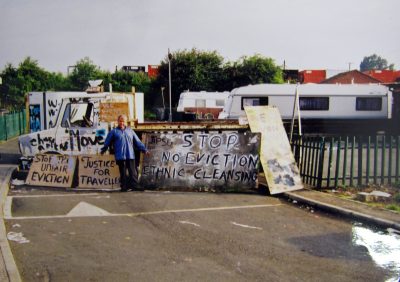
[(98, 172), (219, 161), (71, 141), (109, 111), (52, 170), (279, 166)]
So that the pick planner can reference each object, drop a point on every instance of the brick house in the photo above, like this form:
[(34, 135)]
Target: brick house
[(312, 76), (349, 77), (356, 76), (386, 76)]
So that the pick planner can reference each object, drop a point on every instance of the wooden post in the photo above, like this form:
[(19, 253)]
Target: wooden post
[(134, 103)]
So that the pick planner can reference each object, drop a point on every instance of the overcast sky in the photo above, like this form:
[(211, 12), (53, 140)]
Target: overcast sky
[(307, 34)]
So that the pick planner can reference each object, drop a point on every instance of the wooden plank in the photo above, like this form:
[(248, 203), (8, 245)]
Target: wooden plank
[(109, 111), (52, 170), (278, 162), (191, 126), (196, 161), (98, 172)]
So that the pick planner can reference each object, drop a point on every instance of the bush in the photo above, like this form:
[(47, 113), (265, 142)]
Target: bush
[(396, 197)]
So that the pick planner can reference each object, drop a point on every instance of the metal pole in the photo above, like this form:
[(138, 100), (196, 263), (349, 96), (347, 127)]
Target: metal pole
[(162, 95), (169, 76), (296, 109)]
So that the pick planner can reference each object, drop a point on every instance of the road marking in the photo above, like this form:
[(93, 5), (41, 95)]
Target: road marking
[(188, 222), (246, 226), (7, 207), (9, 216), (85, 209), (54, 195)]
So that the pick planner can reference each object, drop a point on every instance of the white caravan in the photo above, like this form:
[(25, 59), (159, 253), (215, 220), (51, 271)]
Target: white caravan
[(206, 105), (316, 101)]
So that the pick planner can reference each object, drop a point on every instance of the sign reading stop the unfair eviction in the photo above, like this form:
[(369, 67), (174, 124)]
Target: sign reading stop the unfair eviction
[(51, 170)]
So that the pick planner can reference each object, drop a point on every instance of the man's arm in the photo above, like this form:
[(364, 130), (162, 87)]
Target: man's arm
[(107, 142), (139, 145)]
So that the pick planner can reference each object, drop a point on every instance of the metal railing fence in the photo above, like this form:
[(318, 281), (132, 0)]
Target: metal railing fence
[(329, 162)]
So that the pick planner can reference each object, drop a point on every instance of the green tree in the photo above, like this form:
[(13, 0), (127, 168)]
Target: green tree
[(190, 70), (251, 70), (84, 71), (123, 81), (9, 90), (375, 62), (29, 76), (57, 82)]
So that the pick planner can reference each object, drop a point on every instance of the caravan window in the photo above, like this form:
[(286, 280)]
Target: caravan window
[(369, 104), (314, 103), (78, 115), (254, 101), (219, 103), (200, 103)]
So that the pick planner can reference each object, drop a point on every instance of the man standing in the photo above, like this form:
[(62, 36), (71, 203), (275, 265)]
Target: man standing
[(125, 141)]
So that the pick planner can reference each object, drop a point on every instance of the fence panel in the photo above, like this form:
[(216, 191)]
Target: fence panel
[(12, 124), (329, 162)]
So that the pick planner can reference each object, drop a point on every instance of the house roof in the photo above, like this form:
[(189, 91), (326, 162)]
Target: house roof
[(349, 77), (386, 76)]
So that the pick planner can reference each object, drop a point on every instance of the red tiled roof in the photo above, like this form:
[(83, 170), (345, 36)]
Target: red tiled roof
[(349, 77)]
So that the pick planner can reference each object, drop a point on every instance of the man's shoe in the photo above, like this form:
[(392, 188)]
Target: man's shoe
[(124, 190)]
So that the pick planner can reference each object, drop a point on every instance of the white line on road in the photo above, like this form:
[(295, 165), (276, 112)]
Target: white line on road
[(246, 226), (142, 213), (53, 195), (188, 222), (7, 207)]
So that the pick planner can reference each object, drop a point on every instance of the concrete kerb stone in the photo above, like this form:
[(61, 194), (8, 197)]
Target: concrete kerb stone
[(8, 268), (345, 212)]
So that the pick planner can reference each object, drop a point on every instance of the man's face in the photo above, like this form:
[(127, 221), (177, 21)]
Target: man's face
[(121, 122)]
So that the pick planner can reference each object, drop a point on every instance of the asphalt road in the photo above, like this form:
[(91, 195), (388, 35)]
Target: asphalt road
[(161, 236)]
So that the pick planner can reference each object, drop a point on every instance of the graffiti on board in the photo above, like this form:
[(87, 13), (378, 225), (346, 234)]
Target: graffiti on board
[(51, 170), (98, 172), (75, 141), (34, 118), (222, 161), (53, 107)]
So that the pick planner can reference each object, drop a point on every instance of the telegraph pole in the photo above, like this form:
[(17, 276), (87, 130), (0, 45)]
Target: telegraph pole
[(170, 90)]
